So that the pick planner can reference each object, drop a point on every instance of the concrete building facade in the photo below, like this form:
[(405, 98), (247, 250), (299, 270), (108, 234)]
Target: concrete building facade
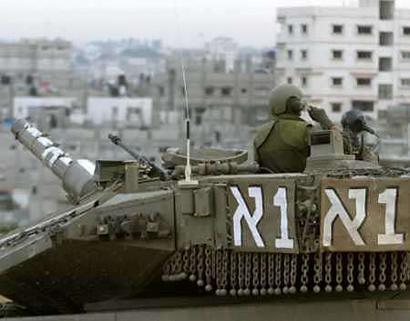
[(50, 60), (237, 97), (347, 57)]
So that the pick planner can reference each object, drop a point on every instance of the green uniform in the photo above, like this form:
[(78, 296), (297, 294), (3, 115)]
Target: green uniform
[(282, 144)]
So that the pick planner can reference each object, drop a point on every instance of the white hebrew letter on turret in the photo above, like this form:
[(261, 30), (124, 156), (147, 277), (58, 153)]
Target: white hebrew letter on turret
[(242, 211), (337, 210)]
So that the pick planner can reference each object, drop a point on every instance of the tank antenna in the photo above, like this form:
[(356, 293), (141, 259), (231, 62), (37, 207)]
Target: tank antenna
[(187, 114), (188, 170)]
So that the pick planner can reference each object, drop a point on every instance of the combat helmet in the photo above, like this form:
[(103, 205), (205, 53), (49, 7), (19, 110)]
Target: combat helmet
[(280, 95), (355, 121)]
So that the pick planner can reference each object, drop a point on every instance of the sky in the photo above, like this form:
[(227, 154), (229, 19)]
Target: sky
[(179, 23)]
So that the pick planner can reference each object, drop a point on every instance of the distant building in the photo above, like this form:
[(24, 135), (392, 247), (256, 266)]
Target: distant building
[(224, 50), (347, 57), (47, 61), (216, 97), (119, 112), (46, 112)]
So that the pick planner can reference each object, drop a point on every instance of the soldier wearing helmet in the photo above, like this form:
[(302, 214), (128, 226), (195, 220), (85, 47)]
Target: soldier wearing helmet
[(282, 144), (354, 125)]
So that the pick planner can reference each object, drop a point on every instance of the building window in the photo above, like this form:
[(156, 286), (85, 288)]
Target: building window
[(405, 82), (337, 29), (303, 54), (361, 82), (243, 90), (290, 29), (364, 55), (304, 28), (364, 30), (161, 91), (386, 10), (289, 80), (363, 105), (209, 91), (183, 91), (337, 54), (385, 64), (304, 81), (290, 54), (386, 38), (385, 91), (337, 81), (405, 55), (336, 107), (406, 31), (226, 91)]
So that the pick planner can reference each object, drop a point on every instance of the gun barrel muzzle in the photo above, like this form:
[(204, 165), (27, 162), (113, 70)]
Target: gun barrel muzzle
[(77, 175)]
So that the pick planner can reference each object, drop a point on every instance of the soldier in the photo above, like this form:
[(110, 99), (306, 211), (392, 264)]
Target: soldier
[(354, 125), (282, 144)]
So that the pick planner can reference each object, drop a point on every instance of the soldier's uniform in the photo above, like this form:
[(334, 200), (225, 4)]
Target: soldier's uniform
[(282, 145)]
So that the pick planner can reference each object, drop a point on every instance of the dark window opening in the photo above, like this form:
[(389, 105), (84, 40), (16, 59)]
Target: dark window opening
[(337, 81), (386, 38), (304, 81), (337, 54), (406, 31), (303, 54), (405, 55), (226, 91), (304, 28), (161, 91), (337, 29), (364, 55), (290, 29), (336, 107), (364, 30), (385, 91), (209, 91), (290, 54), (290, 80), (405, 82), (385, 64), (363, 81), (386, 10)]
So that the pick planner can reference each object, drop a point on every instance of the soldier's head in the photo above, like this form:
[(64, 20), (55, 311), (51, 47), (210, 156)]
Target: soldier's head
[(286, 98), (355, 121)]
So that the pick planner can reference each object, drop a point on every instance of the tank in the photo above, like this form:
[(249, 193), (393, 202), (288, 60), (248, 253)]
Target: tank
[(338, 231)]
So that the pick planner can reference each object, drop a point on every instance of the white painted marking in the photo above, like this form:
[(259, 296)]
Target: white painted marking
[(242, 211), (389, 198)]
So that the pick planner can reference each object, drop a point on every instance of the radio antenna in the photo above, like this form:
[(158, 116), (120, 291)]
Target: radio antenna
[(187, 114)]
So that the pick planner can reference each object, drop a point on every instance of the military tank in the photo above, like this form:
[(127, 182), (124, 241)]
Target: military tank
[(331, 236)]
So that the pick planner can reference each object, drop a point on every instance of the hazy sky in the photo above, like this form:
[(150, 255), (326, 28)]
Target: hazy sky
[(178, 22)]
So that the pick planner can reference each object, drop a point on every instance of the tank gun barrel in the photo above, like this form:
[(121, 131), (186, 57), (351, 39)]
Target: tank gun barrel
[(76, 175)]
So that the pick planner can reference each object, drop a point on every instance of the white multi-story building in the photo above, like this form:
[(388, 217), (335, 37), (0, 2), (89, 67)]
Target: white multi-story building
[(223, 49), (347, 57)]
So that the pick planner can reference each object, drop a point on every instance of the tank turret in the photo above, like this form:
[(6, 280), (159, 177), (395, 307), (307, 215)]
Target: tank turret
[(76, 175)]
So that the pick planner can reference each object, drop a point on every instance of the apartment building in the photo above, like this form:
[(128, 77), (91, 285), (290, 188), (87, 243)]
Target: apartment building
[(347, 57), (236, 97), (45, 60)]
